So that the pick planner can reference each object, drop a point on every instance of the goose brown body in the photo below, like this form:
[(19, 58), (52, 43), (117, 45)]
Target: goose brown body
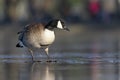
[(36, 36)]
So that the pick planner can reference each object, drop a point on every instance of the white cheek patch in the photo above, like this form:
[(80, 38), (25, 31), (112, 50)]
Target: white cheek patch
[(59, 25)]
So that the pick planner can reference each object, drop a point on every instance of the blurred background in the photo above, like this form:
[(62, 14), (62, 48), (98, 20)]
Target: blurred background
[(94, 24), (93, 41), (73, 11)]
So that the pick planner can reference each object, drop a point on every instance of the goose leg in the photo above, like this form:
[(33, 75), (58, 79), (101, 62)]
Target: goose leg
[(31, 52), (47, 53)]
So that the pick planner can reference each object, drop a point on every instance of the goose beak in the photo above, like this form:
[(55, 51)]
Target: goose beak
[(66, 29)]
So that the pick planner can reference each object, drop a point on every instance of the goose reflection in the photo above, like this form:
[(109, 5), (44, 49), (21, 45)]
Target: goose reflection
[(42, 71)]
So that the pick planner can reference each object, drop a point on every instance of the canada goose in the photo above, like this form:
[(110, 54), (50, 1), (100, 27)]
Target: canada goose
[(36, 36)]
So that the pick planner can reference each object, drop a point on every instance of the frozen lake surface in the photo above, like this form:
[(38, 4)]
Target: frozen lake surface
[(69, 58), (75, 66)]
